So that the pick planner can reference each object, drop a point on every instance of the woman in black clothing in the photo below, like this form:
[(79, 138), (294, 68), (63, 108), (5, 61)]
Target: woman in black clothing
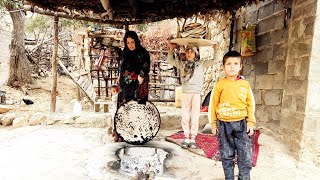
[(134, 72)]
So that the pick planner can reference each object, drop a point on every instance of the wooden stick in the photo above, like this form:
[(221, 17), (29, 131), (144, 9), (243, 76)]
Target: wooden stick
[(80, 64), (67, 16), (162, 100), (54, 65)]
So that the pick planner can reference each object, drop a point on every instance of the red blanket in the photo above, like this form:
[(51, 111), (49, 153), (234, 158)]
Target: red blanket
[(208, 143)]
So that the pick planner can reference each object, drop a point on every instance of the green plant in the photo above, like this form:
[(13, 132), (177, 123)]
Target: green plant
[(142, 27)]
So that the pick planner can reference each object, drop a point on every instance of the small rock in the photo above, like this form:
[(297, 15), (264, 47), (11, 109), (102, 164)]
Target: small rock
[(20, 122), (1, 116), (37, 119), (8, 119), (114, 164), (5, 108)]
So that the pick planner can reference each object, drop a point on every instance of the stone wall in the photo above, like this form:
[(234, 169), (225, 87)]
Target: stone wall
[(265, 70), (220, 32), (284, 73), (301, 110), (5, 40)]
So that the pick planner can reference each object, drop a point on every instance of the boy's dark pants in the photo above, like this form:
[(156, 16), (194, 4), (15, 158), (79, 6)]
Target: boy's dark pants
[(233, 137)]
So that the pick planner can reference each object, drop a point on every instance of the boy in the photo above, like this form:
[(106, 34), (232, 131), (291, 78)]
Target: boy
[(233, 117)]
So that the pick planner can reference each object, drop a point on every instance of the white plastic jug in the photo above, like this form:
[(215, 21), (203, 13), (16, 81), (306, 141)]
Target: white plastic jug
[(77, 109)]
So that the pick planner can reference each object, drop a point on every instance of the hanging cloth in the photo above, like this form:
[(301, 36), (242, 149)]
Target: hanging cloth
[(248, 41)]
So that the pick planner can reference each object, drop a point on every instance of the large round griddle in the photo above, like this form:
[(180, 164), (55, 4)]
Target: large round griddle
[(193, 41), (137, 123)]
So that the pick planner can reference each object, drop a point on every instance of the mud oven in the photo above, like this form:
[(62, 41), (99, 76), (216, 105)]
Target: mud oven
[(137, 124)]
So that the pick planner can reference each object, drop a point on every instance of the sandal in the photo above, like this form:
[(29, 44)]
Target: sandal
[(116, 137), (193, 145), (184, 145)]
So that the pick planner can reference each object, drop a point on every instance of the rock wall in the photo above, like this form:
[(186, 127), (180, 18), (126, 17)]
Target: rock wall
[(219, 27), (300, 113), (5, 40)]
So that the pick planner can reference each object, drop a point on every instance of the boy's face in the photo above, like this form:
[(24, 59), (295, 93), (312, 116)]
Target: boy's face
[(232, 66), (190, 55), (113, 91)]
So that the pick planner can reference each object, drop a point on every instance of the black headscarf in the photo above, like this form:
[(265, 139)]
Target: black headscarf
[(137, 60)]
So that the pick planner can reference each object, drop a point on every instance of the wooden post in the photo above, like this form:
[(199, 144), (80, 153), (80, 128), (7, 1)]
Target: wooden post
[(233, 16), (126, 26), (54, 65), (80, 59), (86, 49), (80, 65)]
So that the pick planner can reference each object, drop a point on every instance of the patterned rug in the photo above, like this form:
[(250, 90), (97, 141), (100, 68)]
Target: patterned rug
[(208, 145)]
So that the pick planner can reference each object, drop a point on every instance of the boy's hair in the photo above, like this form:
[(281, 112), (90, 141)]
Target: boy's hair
[(231, 54), (115, 86)]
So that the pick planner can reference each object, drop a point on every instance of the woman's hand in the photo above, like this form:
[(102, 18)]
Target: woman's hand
[(140, 79), (215, 47)]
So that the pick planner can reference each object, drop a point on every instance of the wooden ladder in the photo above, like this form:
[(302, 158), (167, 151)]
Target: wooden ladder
[(83, 81)]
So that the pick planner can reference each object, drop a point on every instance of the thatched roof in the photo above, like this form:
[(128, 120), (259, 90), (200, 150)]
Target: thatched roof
[(136, 11)]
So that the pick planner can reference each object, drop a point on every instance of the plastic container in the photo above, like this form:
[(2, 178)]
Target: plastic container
[(77, 109), (178, 97)]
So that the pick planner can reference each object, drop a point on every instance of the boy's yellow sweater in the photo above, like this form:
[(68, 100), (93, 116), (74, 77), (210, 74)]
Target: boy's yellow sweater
[(232, 101)]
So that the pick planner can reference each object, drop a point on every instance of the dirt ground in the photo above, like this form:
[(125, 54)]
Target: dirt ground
[(60, 152), (40, 94), (63, 152)]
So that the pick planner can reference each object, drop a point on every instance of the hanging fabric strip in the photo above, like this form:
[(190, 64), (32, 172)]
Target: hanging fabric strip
[(248, 41)]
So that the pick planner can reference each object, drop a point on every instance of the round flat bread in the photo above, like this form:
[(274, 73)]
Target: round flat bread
[(193, 41), (137, 123)]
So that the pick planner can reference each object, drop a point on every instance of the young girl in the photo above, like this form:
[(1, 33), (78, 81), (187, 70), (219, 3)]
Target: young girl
[(192, 83), (114, 99)]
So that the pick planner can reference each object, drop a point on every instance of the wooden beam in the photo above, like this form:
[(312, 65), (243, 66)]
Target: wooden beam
[(84, 18), (126, 26), (107, 7), (54, 64), (67, 16)]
